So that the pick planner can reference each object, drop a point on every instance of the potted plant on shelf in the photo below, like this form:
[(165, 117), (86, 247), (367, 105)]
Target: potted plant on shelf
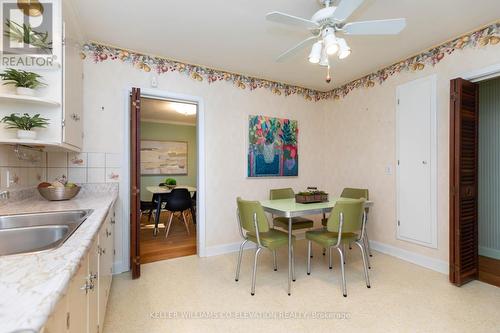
[(25, 124), (25, 82)]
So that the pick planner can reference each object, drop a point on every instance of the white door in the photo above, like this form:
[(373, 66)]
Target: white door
[(416, 162)]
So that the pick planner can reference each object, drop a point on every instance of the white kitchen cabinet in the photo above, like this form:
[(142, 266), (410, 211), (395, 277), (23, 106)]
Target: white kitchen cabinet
[(83, 308), (72, 68), (61, 101)]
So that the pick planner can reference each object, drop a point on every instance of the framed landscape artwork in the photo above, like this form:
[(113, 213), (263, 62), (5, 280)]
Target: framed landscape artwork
[(273, 149), (164, 157)]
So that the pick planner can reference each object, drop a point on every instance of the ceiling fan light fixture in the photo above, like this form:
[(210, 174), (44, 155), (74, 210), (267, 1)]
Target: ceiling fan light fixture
[(331, 44), (315, 55), (344, 49)]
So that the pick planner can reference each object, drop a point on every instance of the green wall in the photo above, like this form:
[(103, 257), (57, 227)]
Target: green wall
[(489, 168), (170, 132)]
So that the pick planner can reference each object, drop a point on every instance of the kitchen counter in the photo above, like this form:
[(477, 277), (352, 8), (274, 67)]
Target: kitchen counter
[(31, 285)]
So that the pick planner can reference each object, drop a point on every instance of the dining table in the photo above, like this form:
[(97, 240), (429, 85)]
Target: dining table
[(158, 190), (289, 208)]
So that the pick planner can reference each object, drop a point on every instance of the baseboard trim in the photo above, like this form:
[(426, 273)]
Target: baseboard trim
[(489, 252), (415, 258)]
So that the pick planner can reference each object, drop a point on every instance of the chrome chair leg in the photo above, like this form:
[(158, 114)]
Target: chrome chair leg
[(309, 248), (293, 265), (343, 251), (324, 251), (365, 256), (257, 251), (275, 261), (369, 249), (169, 224), (237, 277), (344, 288), (366, 244), (330, 265)]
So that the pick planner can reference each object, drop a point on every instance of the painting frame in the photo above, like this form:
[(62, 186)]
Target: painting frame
[(272, 147), (164, 143)]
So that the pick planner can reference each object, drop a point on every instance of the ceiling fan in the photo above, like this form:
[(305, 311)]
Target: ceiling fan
[(324, 26)]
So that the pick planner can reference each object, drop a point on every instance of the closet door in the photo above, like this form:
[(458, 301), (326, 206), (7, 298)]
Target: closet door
[(464, 110), (416, 162)]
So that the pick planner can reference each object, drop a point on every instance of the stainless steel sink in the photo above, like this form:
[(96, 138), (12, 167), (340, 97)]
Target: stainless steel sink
[(26, 233)]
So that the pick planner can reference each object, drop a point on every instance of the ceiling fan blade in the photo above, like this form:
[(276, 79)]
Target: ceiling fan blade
[(345, 9), (287, 54), (291, 20), (381, 27)]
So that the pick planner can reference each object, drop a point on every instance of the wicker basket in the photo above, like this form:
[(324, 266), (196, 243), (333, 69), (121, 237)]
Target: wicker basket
[(59, 193), (311, 198)]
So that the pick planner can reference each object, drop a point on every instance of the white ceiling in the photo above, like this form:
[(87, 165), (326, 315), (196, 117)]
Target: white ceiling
[(234, 35), (165, 112)]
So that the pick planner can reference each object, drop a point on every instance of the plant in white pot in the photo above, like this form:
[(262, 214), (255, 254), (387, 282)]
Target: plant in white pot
[(25, 124), (25, 82)]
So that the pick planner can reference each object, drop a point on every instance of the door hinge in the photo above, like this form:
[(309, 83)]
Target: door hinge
[(67, 320), (399, 223), (63, 123), (398, 101), (398, 162), (97, 328)]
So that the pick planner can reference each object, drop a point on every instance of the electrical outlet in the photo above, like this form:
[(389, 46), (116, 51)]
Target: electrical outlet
[(388, 170), (154, 81)]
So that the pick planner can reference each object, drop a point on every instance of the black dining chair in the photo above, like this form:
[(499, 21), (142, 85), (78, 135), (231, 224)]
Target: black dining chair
[(179, 201)]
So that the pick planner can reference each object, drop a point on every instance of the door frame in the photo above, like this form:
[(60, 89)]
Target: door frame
[(474, 76), (201, 166), (433, 162)]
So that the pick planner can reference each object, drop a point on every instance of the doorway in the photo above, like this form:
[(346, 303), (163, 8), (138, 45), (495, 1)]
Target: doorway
[(168, 160), (166, 177), (475, 181)]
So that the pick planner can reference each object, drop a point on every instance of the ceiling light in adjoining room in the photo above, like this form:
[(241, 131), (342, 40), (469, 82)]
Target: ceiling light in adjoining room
[(344, 49), (185, 109), (331, 44), (315, 55)]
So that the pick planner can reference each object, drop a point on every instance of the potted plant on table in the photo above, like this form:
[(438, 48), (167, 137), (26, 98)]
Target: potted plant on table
[(170, 183), (25, 124), (25, 82)]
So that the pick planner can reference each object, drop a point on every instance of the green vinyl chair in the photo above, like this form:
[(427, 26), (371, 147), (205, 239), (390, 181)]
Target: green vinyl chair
[(346, 224), (254, 227), (282, 222), (357, 193)]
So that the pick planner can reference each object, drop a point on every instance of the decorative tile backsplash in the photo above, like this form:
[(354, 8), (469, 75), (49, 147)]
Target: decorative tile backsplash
[(36, 167)]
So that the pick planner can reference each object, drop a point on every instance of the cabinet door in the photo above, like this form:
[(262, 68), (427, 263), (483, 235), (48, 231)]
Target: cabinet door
[(77, 300), (58, 321), (105, 266), (93, 317), (72, 85)]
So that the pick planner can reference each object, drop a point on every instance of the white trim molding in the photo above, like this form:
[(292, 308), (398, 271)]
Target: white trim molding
[(415, 258), (482, 74)]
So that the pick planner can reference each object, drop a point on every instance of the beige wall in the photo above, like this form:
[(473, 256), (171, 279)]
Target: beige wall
[(361, 137), (341, 143), (226, 118)]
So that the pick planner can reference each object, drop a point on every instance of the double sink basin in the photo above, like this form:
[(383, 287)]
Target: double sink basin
[(28, 233)]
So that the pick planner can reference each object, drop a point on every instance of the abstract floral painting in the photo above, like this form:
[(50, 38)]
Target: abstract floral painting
[(273, 150)]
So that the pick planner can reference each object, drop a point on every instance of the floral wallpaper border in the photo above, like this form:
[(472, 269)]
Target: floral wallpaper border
[(489, 35)]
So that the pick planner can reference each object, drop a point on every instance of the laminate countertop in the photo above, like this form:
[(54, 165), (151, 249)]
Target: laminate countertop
[(31, 285)]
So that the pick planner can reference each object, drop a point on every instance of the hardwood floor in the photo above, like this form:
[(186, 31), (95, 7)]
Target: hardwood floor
[(178, 243), (489, 270)]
